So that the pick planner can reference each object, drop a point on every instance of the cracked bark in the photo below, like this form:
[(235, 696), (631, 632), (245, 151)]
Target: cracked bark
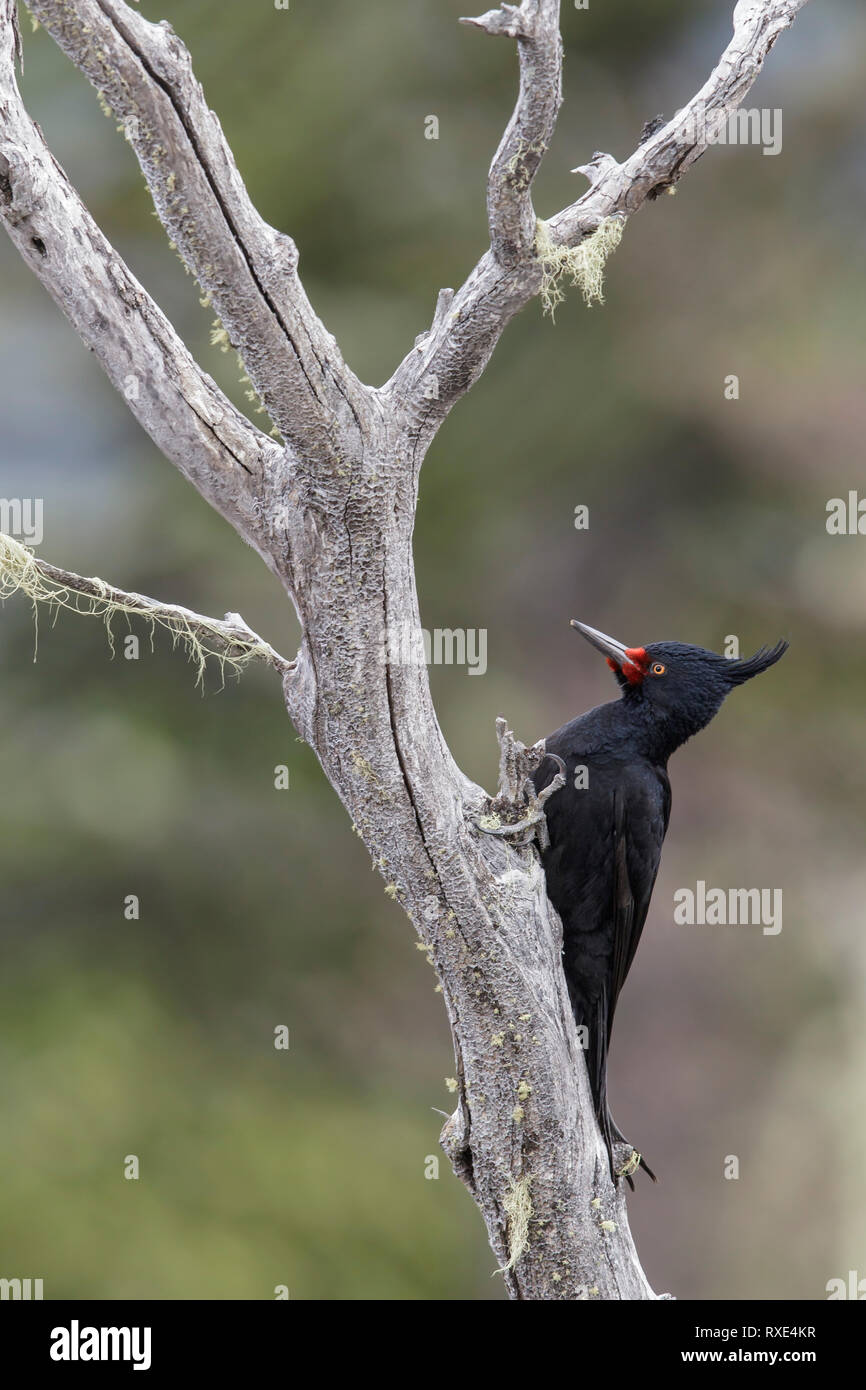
[(331, 512)]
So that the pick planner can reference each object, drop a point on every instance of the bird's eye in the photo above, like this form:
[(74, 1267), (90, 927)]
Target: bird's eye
[(657, 669)]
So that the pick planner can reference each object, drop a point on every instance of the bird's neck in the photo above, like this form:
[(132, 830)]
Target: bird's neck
[(659, 732)]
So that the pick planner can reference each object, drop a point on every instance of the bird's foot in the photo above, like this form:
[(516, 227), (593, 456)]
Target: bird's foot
[(630, 1167), (625, 1160), (517, 811)]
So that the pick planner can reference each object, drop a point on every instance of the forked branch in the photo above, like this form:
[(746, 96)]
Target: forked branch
[(249, 270), (332, 515), (448, 359)]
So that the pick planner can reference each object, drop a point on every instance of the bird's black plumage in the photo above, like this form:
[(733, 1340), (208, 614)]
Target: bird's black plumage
[(607, 824)]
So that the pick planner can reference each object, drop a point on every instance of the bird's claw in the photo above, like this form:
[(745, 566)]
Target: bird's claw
[(629, 1160), (630, 1167)]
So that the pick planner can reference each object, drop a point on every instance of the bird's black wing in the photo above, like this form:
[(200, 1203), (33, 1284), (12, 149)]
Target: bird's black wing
[(601, 865), (641, 811)]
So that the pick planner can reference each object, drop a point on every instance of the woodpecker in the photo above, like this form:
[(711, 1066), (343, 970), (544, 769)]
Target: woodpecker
[(607, 823)]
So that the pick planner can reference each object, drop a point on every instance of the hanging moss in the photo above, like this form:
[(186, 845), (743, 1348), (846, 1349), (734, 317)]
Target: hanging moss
[(583, 264)]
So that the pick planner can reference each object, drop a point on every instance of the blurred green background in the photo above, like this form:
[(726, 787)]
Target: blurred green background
[(259, 907)]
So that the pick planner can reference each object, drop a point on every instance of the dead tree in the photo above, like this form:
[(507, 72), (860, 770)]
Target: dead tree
[(329, 506)]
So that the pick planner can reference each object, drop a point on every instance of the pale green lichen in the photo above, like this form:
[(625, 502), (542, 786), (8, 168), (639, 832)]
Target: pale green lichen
[(365, 768), (630, 1166), (517, 179), (517, 1204), (202, 639), (219, 337), (583, 264)]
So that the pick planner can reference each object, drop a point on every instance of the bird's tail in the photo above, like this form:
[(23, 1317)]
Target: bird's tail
[(599, 1033)]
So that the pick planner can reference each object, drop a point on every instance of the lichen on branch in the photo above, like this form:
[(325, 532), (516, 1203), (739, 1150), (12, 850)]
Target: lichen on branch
[(229, 641), (583, 264)]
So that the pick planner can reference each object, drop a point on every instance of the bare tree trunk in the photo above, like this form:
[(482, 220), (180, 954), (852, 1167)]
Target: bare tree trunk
[(331, 508)]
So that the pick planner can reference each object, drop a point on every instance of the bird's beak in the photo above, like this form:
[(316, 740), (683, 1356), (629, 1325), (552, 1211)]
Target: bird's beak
[(608, 646)]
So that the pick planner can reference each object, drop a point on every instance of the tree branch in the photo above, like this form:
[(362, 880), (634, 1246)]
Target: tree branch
[(180, 407), (510, 214), (229, 640), (144, 74), (448, 359), (660, 161)]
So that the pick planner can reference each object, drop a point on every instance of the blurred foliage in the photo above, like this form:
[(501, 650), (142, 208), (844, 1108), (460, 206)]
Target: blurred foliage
[(259, 907)]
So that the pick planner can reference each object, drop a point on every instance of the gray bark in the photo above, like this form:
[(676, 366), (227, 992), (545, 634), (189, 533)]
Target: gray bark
[(331, 512)]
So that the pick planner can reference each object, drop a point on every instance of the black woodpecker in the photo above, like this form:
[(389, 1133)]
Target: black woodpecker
[(608, 822)]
